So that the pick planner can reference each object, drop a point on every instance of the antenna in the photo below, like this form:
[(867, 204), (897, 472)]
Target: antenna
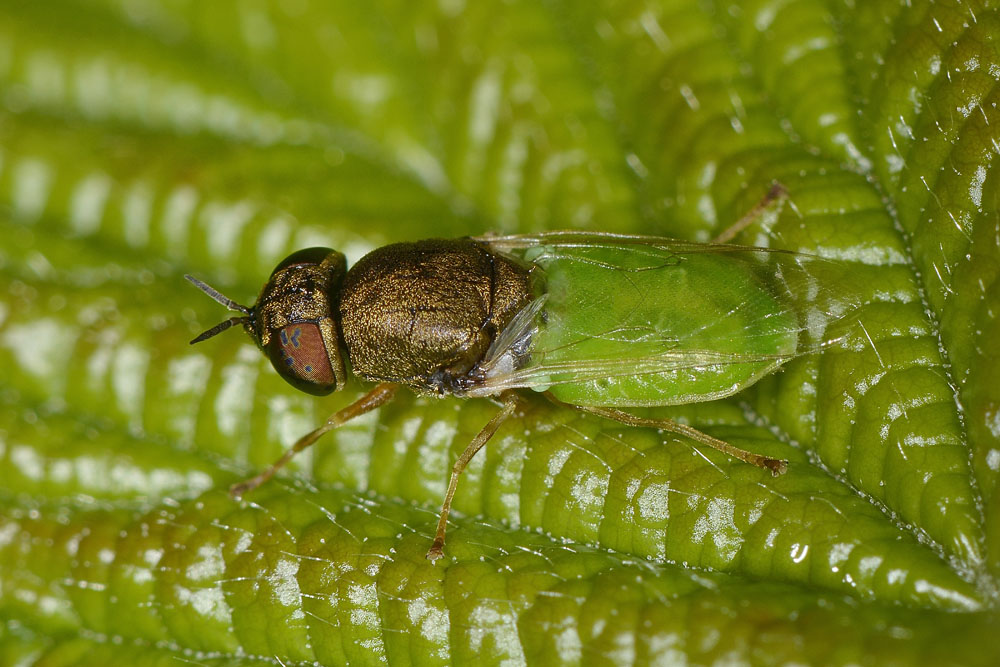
[(225, 301)]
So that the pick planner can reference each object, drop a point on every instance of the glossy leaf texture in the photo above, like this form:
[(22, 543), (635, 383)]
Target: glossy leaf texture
[(144, 139)]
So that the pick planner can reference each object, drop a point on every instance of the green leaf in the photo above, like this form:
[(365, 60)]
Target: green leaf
[(144, 139)]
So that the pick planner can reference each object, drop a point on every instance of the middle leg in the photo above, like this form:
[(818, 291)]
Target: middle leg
[(509, 405)]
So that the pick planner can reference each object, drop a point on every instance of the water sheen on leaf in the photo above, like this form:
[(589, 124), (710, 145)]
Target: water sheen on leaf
[(144, 139)]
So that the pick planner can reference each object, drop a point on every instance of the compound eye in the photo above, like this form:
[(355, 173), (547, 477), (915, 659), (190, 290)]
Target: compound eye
[(299, 355), (307, 256)]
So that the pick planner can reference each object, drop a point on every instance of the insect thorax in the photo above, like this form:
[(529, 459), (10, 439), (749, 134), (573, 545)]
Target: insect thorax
[(425, 313)]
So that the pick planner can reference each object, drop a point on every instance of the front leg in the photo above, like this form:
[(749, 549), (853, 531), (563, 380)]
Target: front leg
[(378, 396)]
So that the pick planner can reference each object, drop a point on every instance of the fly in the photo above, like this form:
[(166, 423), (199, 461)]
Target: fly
[(599, 322)]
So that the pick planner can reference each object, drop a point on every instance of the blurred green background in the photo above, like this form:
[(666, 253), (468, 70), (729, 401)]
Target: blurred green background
[(144, 139)]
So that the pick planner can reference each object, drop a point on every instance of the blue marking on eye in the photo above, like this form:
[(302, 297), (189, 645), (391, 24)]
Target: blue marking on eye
[(284, 338), (295, 336), (289, 361), (309, 369)]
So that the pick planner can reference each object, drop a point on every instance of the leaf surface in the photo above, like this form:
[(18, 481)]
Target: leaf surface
[(141, 140)]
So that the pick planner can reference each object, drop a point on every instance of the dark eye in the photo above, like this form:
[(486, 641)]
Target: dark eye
[(304, 256), (299, 355)]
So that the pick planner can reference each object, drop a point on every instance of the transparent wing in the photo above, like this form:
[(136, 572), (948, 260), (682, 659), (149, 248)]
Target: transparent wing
[(640, 320), (654, 247)]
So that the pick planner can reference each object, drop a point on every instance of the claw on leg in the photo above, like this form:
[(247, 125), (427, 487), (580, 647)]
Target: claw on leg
[(436, 550), (237, 491)]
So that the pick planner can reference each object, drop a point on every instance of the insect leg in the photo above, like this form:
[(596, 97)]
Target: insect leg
[(509, 404), (378, 396), (777, 193), (776, 466)]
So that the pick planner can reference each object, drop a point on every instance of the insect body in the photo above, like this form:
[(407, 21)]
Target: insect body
[(597, 321)]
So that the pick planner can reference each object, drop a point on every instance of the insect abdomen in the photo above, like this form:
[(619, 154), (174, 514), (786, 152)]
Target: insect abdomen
[(696, 328)]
